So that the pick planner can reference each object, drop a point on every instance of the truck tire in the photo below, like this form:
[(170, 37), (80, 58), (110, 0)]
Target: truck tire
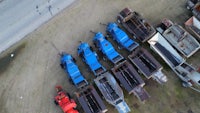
[(118, 21), (68, 95), (91, 48), (188, 7), (119, 47), (104, 58), (74, 59), (95, 45), (70, 81), (136, 13), (62, 66), (55, 102), (107, 36)]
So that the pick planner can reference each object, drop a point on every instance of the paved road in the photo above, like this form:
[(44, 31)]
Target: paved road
[(20, 17)]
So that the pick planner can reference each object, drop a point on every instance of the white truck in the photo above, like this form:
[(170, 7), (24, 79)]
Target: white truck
[(183, 70)]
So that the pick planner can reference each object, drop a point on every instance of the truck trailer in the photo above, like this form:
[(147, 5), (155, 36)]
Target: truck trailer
[(135, 24), (147, 65), (183, 70), (90, 100), (130, 80), (112, 92)]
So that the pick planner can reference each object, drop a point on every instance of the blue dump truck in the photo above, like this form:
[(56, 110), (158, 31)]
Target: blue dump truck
[(87, 95), (75, 76), (121, 37), (106, 48), (90, 58), (105, 82)]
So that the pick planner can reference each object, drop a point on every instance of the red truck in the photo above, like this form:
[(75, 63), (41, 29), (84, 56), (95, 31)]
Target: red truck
[(63, 99)]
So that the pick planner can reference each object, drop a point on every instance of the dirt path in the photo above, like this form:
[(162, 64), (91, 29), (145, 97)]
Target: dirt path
[(27, 84)]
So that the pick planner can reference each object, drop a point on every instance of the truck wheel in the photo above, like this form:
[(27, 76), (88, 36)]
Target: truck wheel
[(70, 81), (185, 84), (118, 21), (91, 48), (119, 47), (55, 102), (139, 72), (74, 59), (81, 55), (68, 95), (134, 36), (136, 13), (95, 45), (108, 35), (62, 66)]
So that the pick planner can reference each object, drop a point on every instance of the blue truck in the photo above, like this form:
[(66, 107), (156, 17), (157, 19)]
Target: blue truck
[(90, 58), (106, 48), (75, 76), (121, 37)]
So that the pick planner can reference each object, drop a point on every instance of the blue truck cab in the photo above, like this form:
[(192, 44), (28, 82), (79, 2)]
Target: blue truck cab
[(75, 76), (106, 48), (90, 58), (121, 37)]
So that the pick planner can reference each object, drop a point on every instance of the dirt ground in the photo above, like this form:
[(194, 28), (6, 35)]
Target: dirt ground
[(27, 81)]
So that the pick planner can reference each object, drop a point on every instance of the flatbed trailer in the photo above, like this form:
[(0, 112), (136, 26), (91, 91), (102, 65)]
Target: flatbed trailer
[(135, 24), (130, 80), (182, 69), (180, 39), (111, 91), (90, 100), (147, 65), (193, 27)]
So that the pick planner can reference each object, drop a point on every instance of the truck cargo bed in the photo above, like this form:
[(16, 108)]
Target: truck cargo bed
[(193, 26), (160, 45), (136, 25), (145, 62), (111, 91), (91, 101), (130, 79), (181, 40)]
